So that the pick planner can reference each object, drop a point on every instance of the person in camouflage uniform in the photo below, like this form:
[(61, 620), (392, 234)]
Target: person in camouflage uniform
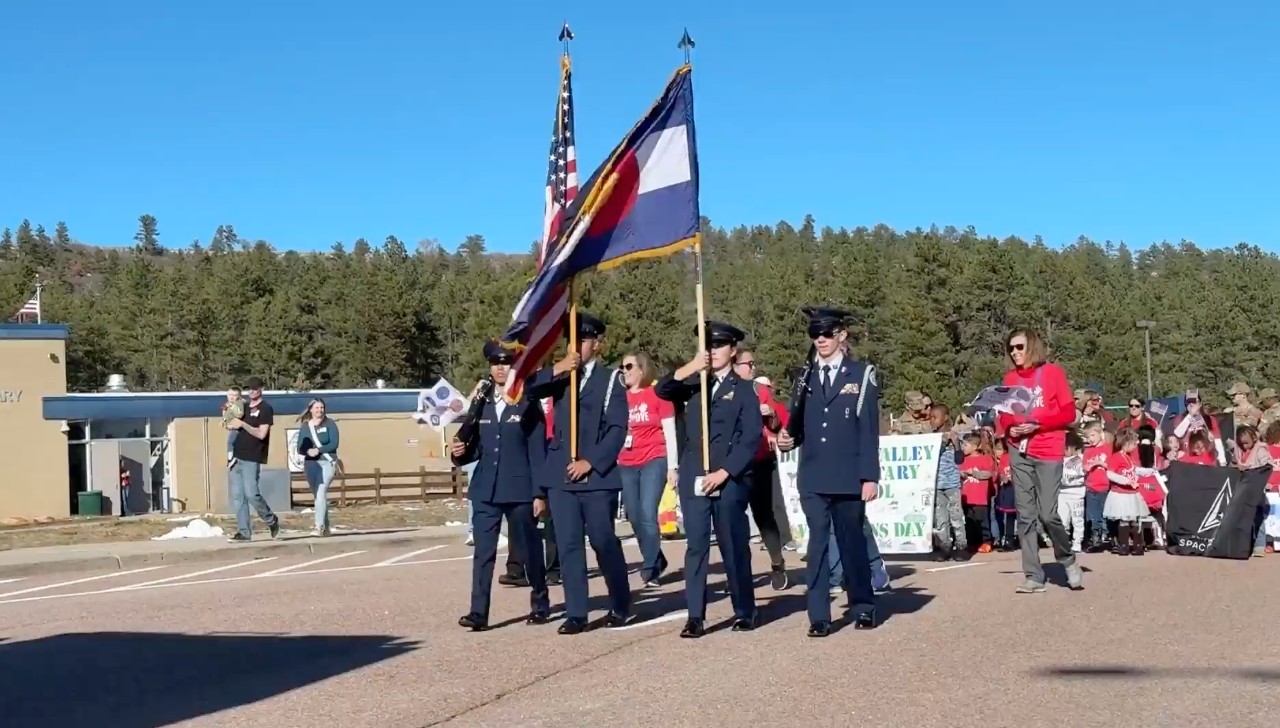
[(916, 420), (1244, 411), (1270, 410)]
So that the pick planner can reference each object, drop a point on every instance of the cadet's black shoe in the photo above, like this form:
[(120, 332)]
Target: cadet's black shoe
[(513, 580), (820, 629), (744, 624), (614, 620), (538, 618), (553, 578), (865, 620), (473, 622), (693, 629), (778, 577), (573, 625)]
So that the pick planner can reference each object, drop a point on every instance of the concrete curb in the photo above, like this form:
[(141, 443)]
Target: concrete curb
[(128, 555)]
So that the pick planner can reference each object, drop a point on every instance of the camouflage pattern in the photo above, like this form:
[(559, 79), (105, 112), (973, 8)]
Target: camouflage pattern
[(1270, 415)]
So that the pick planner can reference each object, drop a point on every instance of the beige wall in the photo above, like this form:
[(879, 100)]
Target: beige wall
[(391, 443), (33, 452)]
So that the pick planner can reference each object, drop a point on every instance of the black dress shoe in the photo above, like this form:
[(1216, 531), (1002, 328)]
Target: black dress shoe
[(615, 620), (573, 625), (820, 629), (693, 629), (473, 622), (744, 624), (538, 618), (865, 620)]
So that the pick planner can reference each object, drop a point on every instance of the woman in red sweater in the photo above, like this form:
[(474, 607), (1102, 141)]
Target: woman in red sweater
[(1036, 443)]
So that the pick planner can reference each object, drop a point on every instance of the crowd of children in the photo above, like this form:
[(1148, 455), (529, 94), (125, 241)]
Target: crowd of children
[(1113, 492)]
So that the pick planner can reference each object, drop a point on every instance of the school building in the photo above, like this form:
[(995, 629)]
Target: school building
[(168, 448)]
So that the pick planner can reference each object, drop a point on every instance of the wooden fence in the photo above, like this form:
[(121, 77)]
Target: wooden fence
[(378, 487)]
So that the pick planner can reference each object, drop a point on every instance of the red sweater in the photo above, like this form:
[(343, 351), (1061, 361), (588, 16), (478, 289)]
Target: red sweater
[(1053, 409), (766, 397)]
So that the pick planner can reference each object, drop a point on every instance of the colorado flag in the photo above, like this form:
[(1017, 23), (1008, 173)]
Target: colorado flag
[(641, 203)]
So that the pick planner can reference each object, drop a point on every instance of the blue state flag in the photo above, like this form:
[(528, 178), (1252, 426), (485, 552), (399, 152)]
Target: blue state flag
[(641, 203)]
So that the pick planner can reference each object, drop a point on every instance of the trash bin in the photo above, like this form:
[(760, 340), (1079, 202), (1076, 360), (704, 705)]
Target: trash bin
[(91, 503)]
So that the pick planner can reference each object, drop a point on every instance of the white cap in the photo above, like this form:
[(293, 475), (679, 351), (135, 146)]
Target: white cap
[(763, 382)]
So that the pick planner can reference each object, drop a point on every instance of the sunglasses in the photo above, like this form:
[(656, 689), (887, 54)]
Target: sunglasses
[(822, 333), (1017, 347), (751, 364), (1134, 405), (627, 367)]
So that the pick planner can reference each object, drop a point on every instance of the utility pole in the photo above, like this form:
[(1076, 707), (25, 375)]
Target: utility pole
[(1146, 327)]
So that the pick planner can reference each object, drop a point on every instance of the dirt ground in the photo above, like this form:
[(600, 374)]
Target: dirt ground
[(141, 528)]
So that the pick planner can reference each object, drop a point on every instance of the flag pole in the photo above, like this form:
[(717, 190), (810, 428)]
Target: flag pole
[(686, 44), (39, 302), (566, 36)]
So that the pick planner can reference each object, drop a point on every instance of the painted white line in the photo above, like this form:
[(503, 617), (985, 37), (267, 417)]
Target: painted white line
[(294, 567), (188, 576), (10, 581), (672, 617), (411, 554), (79, 581), (958, 566)]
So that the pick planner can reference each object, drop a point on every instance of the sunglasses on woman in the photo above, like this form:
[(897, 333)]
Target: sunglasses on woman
[(1017, 347)]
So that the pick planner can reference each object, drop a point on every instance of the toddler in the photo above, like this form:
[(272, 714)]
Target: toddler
[(1096, 485), (1200, 450), (1006, 505), (976, 471), (1071, 493), (232, 409), (1125, 506)]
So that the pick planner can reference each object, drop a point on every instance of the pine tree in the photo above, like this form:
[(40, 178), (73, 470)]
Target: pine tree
[(147, 239)]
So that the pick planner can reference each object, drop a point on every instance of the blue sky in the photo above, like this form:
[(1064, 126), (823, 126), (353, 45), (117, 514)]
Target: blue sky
[(1136, 120)]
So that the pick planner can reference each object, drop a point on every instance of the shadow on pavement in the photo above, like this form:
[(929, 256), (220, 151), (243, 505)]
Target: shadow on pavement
[(128, 679), (1111, 672)]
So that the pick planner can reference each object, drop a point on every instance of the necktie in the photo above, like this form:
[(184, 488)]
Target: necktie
[(826, 377), (583, 373)]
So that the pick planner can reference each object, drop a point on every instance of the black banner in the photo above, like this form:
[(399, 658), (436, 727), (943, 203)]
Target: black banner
[(1212, 510)]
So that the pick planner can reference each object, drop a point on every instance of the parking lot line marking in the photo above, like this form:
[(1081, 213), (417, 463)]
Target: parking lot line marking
[(958, 566), (313, 562), (179, 577), (411, 554), (78, 581), (10, 581)]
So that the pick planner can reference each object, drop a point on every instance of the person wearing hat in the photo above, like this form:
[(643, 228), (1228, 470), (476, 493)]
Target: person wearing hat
[(583, 488), (717, 496), (838, 431), (915, 421), (1270, 411), (249, 453), (508, 447), (1244, 412)]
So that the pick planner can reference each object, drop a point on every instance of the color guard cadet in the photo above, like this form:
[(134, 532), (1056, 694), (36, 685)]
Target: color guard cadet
[(838, 434), (720, 495), (508, 447), (583, 493)]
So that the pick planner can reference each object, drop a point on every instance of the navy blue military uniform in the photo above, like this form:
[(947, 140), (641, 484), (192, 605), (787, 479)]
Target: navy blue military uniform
[(586, 508), (734, 431), (509, 449), (839, 439)]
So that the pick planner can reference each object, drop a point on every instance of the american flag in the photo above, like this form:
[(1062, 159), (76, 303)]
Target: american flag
[(562, 188)]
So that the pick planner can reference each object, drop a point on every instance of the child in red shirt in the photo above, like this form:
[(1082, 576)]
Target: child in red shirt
[(1199, 450), (976, 472), (1125, 506), (1006, 503), (1096, 485)]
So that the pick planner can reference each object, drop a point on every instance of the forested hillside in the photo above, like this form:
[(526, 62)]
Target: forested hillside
[(933, 306)]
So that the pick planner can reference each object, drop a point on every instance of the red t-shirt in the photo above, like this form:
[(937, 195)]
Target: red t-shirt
[(1095, 468), (1273, 482), (1125, 465), (1053, 408), (645, 441), (766, 397), (1149, 486), (1004, 472), (973, 491), (1204, 458)]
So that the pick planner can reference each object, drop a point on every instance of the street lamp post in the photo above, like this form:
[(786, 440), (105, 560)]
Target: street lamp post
[(1146, 327)]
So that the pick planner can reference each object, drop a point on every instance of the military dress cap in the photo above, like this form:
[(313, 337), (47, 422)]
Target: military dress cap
[(826, 317), (496, 353), (589, 327), (1239, 388), (1267, 393), (721, 334)]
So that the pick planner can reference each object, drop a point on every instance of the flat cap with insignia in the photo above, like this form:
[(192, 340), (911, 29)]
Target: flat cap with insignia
[(720, 333), (589, 327), (496, 353), (824, 319)]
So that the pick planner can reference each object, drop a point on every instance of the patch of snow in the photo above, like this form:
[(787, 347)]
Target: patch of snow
[(197, 528)]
